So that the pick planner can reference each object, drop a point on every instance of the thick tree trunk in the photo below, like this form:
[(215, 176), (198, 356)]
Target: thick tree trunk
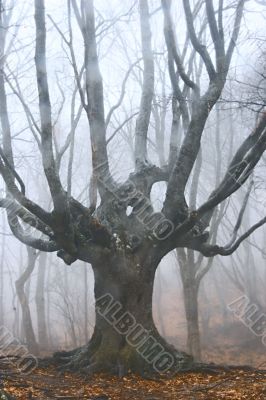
[(125, 337)]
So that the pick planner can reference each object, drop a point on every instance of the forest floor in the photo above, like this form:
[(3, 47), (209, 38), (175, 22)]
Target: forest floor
[(46, 383)]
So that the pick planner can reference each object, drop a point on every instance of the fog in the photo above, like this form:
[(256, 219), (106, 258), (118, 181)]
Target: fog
[(57, 300)]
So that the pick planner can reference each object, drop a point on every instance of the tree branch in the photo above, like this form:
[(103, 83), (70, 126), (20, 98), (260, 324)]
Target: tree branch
[(216, 38), (22, 236), (122, 94), (240, 215), (27, 217), (201, 49), (94, 90), (236, 175), (212, 250), (236, 29), (56, 189), (143, 119), (171, 45)]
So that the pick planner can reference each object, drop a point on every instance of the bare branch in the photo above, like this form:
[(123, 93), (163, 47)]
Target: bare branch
[(27, 217), (240, 215), (147, 90), (212, 250), (22, 236), (220, 20), (171, 45), (216, 38), (13, 171), (57, 192), (69, 43), (201, 49), (121, 126), (94, 90), (236, 29), (238, 172), (30, 118), (122, 94), (22, 199)]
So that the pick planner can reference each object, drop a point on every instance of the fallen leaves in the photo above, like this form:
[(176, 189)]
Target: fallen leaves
[(236, 384)]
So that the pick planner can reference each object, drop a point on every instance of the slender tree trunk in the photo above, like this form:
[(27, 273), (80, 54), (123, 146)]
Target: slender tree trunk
[(159, 305), (48, 307), (73, 334), (40, 303), (221, 295), (86, 314), (190, 291), (17, 329), (2, 316), (68, 314), (26, 314), (205, 313), (192, 317)]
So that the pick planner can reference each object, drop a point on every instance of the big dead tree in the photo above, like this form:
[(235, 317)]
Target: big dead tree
[(121, 236)]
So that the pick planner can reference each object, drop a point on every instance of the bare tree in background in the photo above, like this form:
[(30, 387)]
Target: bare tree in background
[(122, 237), (2, 260), (40, 302), (28, 330)]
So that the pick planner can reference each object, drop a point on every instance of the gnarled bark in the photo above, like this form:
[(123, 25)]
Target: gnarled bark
[(125, 336)]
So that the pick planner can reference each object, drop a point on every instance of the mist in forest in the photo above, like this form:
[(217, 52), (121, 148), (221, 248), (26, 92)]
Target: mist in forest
[(205, 305)]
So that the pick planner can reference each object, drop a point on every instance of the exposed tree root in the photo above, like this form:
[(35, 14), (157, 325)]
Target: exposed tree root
[(93, 358), (101, 355), (88, 362)]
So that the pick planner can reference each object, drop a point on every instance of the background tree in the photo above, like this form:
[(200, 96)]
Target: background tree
[(122, 236)]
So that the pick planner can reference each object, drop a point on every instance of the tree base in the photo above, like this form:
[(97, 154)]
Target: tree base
[(94, 358), (77, 361)]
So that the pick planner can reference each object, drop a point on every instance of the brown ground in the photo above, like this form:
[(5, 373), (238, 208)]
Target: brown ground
[(49, 384), (232, 344)]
